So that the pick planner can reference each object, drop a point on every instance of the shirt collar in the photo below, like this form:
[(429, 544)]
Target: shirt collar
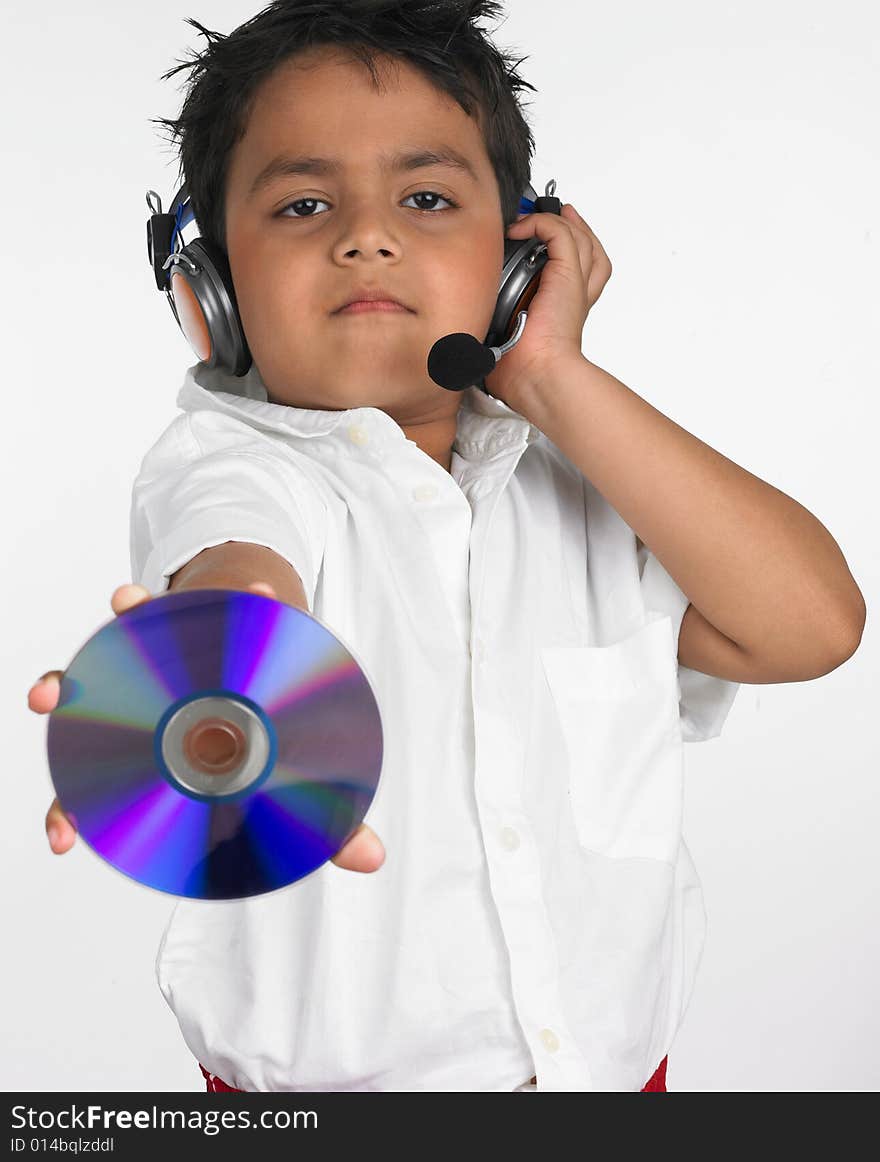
[(485, 425)]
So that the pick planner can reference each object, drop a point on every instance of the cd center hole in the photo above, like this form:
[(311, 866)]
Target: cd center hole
[(214, 746)]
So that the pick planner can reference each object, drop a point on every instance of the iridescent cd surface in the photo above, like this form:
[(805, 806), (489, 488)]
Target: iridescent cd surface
[(215, 744)]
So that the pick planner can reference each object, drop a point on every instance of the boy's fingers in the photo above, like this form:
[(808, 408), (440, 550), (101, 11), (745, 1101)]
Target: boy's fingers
[(125, 596), (60, 831), (43, 695), (364, 852)]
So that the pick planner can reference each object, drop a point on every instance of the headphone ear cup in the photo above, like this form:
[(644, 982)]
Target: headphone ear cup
[(204, 304), (524, 260)]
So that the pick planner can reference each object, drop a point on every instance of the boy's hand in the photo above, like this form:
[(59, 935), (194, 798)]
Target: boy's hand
[(572, 280), (364, 852)]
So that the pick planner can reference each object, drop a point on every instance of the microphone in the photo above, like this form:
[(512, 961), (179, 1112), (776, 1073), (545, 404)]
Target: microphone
[(459, 360)]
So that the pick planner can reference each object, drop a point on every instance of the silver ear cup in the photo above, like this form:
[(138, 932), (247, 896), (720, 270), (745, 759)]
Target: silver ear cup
[(523, 262), (203, 302)]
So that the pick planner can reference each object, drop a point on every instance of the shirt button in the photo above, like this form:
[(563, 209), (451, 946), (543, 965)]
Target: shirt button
[(551, 1041), (358, 435), (424, 492), (510, 838)]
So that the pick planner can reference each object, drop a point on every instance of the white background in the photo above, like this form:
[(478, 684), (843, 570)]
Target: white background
[(727, 157)]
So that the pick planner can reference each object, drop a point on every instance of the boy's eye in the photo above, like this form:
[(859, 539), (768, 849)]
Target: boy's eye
[(311, 202), (431, 194)]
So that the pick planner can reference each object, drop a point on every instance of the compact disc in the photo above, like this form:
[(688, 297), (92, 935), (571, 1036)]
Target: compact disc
[(215, 744)]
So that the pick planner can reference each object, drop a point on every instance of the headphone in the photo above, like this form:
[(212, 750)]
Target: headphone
[(197, 280)]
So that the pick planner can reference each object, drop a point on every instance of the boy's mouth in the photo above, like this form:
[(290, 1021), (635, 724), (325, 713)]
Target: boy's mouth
[(375, 305), (371, 298)]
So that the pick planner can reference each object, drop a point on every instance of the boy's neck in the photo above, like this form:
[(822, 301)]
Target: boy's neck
[(434, 437)]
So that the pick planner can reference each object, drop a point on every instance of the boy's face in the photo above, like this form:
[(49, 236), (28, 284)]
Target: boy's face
[(294, 265)]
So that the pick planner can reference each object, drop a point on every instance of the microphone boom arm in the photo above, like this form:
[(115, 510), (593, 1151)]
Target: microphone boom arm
[(514, 338)]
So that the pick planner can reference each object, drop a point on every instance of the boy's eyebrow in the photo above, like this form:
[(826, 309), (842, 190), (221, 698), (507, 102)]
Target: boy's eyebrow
[(284, 166)]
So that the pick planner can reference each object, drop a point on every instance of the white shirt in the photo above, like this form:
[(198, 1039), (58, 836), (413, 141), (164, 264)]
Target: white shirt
[(537, 912)]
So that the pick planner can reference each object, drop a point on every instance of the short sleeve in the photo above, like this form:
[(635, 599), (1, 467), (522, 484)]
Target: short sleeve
[(704, 699), (208, 479)]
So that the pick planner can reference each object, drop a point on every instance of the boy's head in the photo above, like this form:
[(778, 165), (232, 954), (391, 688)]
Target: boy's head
[(356, 82)]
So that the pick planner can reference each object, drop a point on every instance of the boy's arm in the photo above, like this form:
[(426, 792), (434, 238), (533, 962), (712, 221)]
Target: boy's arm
[(235, 565), (773, 597)]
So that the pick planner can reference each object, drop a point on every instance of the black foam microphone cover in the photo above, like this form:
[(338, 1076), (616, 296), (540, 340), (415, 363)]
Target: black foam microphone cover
[(459, 360)]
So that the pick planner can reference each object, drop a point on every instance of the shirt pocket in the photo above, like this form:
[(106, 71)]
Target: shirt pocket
[(617, 707)]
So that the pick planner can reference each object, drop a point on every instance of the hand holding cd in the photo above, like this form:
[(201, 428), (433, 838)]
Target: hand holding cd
[(218, 744)]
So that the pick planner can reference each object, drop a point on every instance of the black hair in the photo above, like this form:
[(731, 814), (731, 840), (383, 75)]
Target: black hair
[(438, 37)]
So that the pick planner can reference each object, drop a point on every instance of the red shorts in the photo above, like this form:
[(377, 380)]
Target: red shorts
[(657, 1083)]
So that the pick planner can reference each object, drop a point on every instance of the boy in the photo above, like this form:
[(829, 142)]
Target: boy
[(493, 560)]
